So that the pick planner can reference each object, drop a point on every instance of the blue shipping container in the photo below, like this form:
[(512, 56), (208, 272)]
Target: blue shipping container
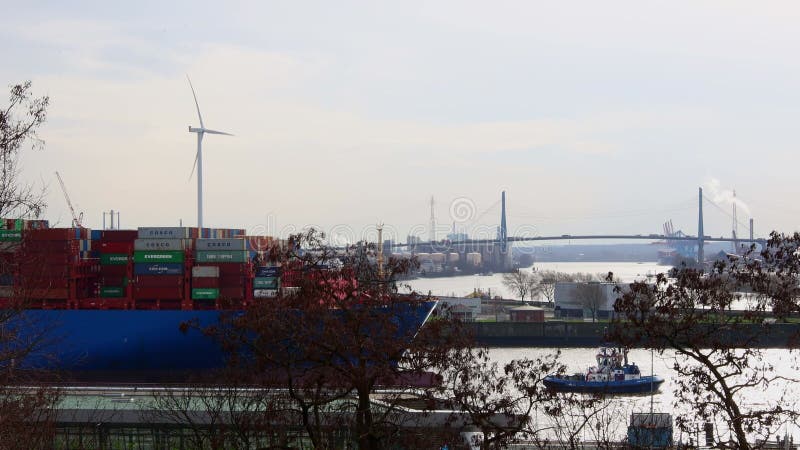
[(97, 235), (158, 269), (273, 271)]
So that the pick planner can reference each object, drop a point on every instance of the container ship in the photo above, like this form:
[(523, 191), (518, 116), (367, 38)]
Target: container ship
[(109, 303)]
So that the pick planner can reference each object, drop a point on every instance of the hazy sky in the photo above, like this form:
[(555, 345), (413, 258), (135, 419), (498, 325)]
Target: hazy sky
[(593, 116)]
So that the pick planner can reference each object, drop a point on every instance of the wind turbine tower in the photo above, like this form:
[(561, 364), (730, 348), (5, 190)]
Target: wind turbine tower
[(198, 159)]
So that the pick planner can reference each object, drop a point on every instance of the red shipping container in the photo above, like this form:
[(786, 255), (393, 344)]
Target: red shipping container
[(231, 280), (158, 281), (59, 283), (55, 293), (8, 259), (231, 293), (52, 234), (119, 235), (33, 260), (205, 282), (52, 246), (33, 270), (56, 258), (114, 270), (111, 280), (158, 293), (228, 269), (116, 247)]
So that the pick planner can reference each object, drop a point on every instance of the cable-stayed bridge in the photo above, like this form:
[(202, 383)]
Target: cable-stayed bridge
[(670, 238)]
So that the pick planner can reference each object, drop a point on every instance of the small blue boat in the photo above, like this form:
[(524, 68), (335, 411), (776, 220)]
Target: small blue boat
[(612, 375)]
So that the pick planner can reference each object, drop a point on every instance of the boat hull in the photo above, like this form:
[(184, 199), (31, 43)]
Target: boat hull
[(119, 342), (645, 384)]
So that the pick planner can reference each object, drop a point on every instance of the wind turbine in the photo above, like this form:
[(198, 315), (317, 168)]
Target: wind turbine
[(198, 159)]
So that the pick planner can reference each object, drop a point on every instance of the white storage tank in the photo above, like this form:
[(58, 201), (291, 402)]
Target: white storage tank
[(452, 257), (437, 258), (474, 258)]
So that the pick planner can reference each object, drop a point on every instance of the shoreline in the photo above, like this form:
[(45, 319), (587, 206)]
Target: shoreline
[(563, 334)]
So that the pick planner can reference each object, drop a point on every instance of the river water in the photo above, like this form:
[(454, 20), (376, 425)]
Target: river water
[(463, 285), (578, 359)]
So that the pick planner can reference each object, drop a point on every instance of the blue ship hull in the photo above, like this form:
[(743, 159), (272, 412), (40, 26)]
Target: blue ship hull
[(119, 342), (645, 384)]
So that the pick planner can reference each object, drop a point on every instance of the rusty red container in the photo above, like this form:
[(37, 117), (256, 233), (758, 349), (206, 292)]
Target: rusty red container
[(52, 246), (158, 281), (228, 269), (52, 283), (53, 234), (116, 247), (119, 235), (37, 270), (119, 271), (54, 293), (158, 293), (231, 293), (205, 282), (231, 280), (111, 280)]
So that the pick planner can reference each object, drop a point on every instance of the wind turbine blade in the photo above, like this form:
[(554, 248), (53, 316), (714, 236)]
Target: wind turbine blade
[(196, 155), (216, 132), (195, 101)]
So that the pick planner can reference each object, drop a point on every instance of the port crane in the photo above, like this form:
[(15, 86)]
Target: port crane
[(77, 219)]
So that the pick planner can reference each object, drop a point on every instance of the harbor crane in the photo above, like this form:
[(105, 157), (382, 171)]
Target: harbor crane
[(77, 219)]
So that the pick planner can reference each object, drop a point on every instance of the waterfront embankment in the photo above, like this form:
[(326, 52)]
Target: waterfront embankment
[(554, 333)]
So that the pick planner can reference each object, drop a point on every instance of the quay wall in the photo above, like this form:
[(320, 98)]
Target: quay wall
[(588, 334)]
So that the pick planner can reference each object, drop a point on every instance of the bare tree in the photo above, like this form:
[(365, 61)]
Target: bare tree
[(226, 414), (592, 296), (19, 122), (546, 283), (520, 282), (26, 408), (509, 403), (715, 322), (340, 335)]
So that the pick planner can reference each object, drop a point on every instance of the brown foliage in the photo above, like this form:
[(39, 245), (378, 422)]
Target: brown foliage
[(707, 319), (26, 407)]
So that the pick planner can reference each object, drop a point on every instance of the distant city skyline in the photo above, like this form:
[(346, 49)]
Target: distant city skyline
[(593, 117)]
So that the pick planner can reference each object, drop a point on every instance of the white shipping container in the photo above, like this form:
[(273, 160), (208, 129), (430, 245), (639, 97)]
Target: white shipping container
[(158, 244), (265, 293), (164, 233), (205, 272), (220, 244)]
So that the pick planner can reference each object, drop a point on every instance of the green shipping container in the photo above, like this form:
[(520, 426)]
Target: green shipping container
[(10, 235), (222, 257), (114, 259), (174, 256), (18, 224), (111, 292), (205, 293), (265, 283)]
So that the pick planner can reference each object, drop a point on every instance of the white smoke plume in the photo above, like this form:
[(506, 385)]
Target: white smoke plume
[(713, 190)]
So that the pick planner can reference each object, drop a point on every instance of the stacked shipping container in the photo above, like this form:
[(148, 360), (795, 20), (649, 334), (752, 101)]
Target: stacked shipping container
[(54, 264), (230, 258), (115, 250), (10, 242), (148, 268), (159, 256)]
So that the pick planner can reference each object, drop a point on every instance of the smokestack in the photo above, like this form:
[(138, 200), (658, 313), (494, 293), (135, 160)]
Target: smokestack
[(701, 257)]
